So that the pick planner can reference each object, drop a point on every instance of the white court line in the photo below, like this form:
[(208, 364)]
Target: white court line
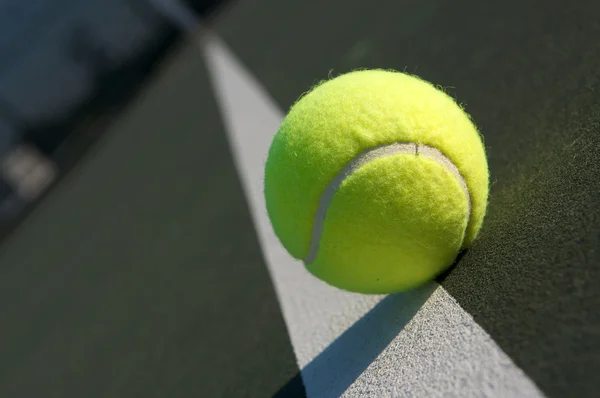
[(251, 118), (440, 351), (420, 343)]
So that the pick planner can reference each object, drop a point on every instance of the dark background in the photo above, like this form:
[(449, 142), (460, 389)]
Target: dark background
[(87, 40)]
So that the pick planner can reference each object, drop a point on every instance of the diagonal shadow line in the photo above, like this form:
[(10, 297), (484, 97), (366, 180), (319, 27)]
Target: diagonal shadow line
[(331, 372)]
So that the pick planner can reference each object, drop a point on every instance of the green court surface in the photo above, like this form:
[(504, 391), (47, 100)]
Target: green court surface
[(150, 269)]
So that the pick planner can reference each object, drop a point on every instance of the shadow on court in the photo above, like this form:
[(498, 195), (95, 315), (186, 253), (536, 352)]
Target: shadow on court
[(340, 364)]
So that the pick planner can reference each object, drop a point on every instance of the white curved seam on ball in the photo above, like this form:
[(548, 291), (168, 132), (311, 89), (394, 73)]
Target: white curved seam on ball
[(363, 158)]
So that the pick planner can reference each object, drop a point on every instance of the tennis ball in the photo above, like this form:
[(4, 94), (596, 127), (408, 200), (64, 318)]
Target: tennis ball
[(376, 180)]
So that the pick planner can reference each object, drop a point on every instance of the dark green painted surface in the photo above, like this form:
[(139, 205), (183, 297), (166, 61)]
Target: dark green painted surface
[(528, 73), (140, 275)]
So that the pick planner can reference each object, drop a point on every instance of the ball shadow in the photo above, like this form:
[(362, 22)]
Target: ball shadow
[(335, 369)]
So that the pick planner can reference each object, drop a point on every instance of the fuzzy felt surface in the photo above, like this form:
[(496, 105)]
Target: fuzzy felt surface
[(329, 126), (392, 225)]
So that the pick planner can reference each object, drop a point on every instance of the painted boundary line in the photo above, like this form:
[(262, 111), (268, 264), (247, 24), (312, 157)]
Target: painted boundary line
[(420, 343)]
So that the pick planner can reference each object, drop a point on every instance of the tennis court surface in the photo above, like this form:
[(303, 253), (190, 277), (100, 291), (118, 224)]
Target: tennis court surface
[(150, 269)]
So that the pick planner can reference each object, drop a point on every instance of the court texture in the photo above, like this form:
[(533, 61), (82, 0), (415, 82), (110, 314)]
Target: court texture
[(150, 268)]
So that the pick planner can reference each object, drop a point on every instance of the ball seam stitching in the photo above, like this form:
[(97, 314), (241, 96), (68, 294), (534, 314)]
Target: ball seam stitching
[(364, 157)]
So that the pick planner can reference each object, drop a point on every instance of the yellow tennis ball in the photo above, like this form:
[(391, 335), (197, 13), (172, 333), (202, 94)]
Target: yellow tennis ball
[(376, 180)]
